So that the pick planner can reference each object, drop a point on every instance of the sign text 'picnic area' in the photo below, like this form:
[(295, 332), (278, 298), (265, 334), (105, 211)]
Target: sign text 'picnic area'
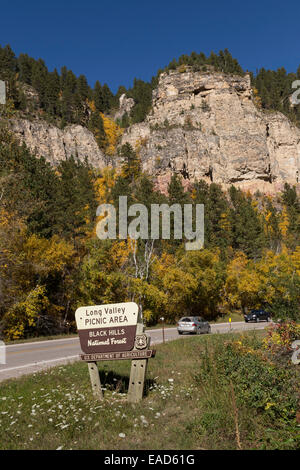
[(107, 328)]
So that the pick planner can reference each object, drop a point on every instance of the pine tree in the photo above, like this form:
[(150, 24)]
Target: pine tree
[(176, 195), (39, 80), (51, 95), (107, 98), (7, 63), (25, 65), (291, 200), (97, 127), (131, 166), (76, 199), (68, 105), (98, 97), (247, 230), (30, 186), (141, 92), (176, 192), (82, 88)]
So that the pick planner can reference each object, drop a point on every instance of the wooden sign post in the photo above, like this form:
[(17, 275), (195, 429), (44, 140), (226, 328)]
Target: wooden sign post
[(138, 368), (114, 332), (95, 380)]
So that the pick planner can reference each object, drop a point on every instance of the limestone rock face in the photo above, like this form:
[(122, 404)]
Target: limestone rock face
[(55, 144), (125, 106), (205, 125), (202, 125)]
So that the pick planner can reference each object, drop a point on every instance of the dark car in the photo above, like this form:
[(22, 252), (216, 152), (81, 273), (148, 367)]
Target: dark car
[(257, 315)]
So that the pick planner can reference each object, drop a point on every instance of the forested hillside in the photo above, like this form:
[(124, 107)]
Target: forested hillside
[(51, 260), (273, 89)]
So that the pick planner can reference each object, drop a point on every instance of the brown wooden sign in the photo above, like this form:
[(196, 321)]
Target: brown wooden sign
[(115, 356), (107, 328), (113, 332)]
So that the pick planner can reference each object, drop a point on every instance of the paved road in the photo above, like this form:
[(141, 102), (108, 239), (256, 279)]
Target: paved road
[(28, 358)]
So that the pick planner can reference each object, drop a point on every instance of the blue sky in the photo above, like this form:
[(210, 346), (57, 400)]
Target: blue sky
[(115, 41)]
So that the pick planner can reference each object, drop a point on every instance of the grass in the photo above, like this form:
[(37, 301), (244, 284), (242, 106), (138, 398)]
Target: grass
[(159, 326), (235, 316), (55, 408)]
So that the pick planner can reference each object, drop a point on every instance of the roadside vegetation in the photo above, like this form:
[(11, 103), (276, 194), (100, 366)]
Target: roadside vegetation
[(231, 391)]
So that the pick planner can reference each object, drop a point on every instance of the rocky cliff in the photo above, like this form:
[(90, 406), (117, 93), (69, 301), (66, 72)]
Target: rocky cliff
[(202, 125), (55, 144), (205, 125)]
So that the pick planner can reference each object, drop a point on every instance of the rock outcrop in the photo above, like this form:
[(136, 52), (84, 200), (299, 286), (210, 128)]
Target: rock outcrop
[(125, 106), (205, 125), (202, 125), (55, 144)]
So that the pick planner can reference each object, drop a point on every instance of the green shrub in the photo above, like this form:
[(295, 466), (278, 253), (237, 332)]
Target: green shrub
[(270, 388)]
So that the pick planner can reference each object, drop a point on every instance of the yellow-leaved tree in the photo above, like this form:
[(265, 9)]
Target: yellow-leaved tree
[(113, 132), (25, 318), (104, 183), (243, 283), (30, 267)]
